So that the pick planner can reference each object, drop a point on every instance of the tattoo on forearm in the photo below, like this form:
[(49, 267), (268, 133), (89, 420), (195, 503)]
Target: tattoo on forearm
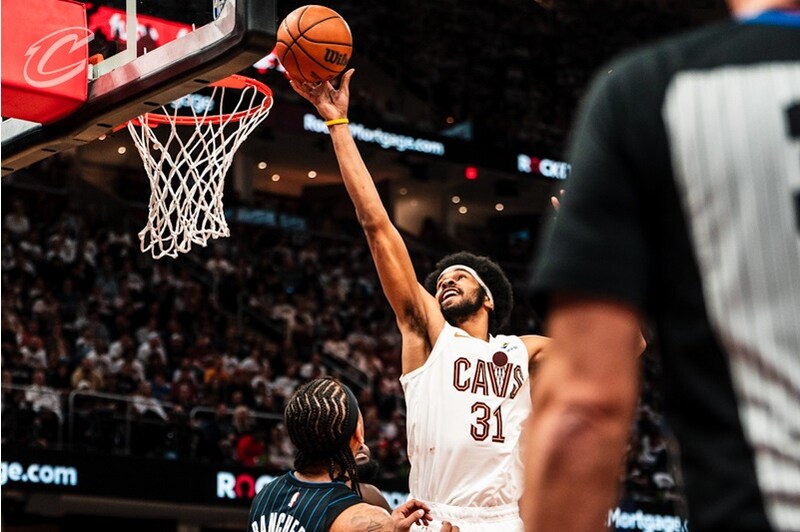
[(374, 527), (369, 524)]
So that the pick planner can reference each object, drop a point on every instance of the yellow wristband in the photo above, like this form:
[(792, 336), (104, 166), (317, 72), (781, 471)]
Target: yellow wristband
[(336, 121)]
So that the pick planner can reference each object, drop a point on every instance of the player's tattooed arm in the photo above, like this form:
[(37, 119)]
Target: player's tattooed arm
[(367, 524), (363, 518)]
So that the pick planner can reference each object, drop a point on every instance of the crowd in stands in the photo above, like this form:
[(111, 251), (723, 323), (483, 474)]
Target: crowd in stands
[(107, 350), (514, 70), (84, 310)]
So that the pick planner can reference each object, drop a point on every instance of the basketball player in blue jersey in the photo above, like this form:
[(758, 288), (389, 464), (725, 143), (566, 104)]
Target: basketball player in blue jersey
[(686, 211), (322, 493), (467, 390)]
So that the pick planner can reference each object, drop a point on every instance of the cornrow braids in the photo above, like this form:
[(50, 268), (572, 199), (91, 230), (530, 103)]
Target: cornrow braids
[(321, 417)]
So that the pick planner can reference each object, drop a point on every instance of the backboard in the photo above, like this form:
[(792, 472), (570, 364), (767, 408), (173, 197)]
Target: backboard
[(180, 47)]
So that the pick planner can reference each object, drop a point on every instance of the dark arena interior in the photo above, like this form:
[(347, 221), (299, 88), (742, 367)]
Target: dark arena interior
[(148, 394)]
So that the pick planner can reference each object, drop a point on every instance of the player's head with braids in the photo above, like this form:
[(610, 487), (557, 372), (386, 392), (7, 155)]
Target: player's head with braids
[(494, 287), (324, 424)]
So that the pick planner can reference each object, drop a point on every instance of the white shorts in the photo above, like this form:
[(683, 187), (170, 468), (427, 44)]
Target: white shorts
[(475, 519)]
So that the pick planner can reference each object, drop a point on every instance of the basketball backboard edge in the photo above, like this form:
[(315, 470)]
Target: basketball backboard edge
[(243, 34)]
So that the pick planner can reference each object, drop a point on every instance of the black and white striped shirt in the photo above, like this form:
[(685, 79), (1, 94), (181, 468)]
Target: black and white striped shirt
[(684, 200)]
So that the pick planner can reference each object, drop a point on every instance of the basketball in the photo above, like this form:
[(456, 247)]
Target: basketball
[(314, 44)]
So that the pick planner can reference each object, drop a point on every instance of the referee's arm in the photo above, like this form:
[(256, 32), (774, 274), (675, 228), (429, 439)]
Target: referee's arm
[(583, 405)]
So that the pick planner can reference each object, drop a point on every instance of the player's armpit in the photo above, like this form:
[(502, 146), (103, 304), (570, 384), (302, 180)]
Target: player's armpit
[(420, 327), (434, 319), (363, 518)]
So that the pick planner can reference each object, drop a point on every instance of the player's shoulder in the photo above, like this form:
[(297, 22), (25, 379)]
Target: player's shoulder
[(276, 485), (535, 344), (639, 78), (724, 43), (362, 517), (679, 46)]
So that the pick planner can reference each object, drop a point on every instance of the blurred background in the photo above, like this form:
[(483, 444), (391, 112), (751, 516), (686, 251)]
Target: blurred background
[(149, 393)]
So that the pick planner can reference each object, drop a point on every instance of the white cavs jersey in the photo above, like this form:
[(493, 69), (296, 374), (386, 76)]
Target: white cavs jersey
[(465, 410)]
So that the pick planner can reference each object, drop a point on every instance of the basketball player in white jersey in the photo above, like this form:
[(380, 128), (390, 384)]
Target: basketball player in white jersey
[(467, 390)]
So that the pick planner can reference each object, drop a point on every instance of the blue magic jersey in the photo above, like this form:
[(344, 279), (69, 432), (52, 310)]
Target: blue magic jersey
[(290, 505)]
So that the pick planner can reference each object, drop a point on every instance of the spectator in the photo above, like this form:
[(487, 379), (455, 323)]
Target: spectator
[(217, 436), (129, 374), (85, 377), (34, 354), (215, 371), (149, 434), (313, 369), (45, 405), (159, 387), (280, 453), (285, 384), (43, 398), (120, 347), (251, 449), (59, 376), (218, 265), (145, 405), (16, 222), (150, 348)]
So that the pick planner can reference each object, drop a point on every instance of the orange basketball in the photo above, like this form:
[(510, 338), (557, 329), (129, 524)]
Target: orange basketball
[(314, 44)]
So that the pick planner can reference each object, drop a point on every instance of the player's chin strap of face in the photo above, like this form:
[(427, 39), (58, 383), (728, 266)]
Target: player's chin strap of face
[(472, 273)]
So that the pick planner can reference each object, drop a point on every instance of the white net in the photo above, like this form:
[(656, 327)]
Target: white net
[(187, 165), (500, 375)]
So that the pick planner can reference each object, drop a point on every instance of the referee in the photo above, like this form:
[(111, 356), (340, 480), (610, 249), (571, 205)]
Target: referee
[(683, 206), (322, 493)]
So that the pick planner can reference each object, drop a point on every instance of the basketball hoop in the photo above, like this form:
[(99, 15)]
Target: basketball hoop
[(187, 174)]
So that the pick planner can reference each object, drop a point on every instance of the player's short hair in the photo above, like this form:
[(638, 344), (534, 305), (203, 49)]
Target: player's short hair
[(321, 417), (491, 274)]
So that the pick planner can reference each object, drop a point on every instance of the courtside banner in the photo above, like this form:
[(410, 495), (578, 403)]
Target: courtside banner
[(527, 163), (192, 482), (178, 481)]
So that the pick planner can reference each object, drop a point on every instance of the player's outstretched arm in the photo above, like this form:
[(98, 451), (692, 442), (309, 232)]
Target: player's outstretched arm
[(417, 311)]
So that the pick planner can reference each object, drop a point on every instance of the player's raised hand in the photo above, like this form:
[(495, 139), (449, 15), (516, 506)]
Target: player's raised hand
[(410, 512), (330, 102)]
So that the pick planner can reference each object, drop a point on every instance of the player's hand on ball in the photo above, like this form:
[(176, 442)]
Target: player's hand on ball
[(331, 103)]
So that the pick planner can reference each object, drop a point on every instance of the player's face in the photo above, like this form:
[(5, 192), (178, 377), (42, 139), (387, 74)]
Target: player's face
[(357, 444), (366, 466), (452, 286), (459, 295), (362, 454)]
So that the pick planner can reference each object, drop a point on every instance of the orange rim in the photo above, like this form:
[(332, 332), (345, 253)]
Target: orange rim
[(234, 81)]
